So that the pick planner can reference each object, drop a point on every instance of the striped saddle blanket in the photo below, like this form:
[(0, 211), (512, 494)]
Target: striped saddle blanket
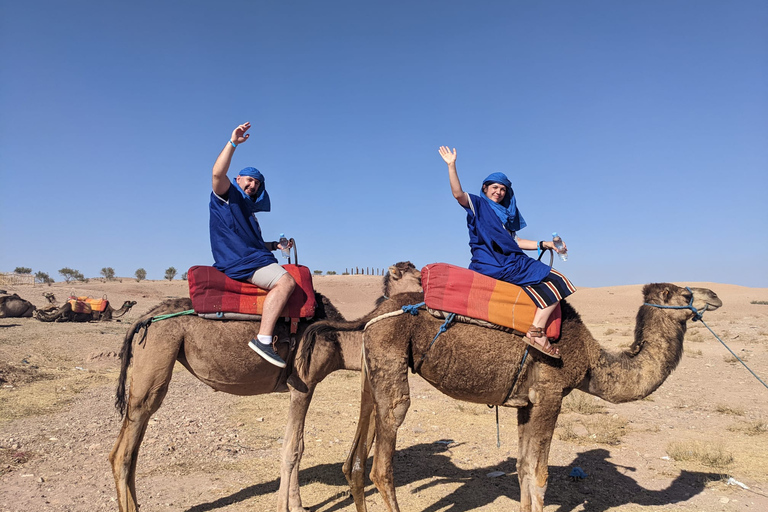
[(470, 294), (214, 295)]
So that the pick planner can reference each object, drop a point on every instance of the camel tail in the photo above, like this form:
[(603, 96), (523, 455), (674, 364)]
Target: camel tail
[(126, 354), (319, 329)]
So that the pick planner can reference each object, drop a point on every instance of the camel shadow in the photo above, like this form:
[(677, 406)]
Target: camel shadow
[(10, 325), (607, 485)]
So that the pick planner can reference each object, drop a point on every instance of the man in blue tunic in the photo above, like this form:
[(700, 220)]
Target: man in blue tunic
[(236, 243)]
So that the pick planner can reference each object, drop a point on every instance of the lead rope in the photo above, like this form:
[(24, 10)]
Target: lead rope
[(697, 317)]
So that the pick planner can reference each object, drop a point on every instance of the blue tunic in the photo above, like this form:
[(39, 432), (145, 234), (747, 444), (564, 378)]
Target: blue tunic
[(236, 243), (495, 252)]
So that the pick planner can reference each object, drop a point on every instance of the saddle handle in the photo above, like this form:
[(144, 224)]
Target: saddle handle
[(295, 253), (551, 256)]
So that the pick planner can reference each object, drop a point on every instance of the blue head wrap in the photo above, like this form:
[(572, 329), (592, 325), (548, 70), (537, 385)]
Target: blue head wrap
[(506, 210), (259, 202)]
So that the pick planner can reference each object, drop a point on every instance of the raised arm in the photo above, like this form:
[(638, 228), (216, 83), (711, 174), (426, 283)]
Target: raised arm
[(450, 159), (220, 168)]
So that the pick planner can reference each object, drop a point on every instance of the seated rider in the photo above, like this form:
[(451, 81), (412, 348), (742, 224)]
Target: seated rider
[(493, 221), (236, 243)]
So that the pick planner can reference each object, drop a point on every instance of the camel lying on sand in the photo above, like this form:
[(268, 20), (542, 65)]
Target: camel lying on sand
[(65, 313), (483, 365), (13, 306), (217, 353)]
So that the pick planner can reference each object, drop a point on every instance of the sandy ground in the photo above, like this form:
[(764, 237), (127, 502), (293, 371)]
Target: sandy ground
[(208, 451)]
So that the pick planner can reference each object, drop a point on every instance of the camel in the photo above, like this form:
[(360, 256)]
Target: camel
[(13, 306), (217, 353), (65, 313), (484, 365)]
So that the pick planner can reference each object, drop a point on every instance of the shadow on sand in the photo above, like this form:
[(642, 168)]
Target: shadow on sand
[(608, 485)]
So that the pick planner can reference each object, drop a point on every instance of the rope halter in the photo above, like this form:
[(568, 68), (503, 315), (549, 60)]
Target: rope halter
[(696, 313)]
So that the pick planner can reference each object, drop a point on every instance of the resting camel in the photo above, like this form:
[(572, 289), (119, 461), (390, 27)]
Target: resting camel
[(480, 364), (65, 313), (13, 306), (217, 353)]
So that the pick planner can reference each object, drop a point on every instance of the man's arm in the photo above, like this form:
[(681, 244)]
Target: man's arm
[(220, 168)]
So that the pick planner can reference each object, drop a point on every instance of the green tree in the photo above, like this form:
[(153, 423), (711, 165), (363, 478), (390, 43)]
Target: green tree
[(140, 274), (22, 270), (184, 276), (108, 273), (170, 273), (42, 277), (318, 272), (68, 274), (331, 273)]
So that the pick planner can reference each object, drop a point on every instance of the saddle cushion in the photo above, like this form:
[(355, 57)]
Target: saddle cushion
[(469, 293), (212, 291), (87, 304)]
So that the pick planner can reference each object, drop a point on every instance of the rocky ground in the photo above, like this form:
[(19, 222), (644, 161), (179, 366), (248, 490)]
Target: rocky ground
[(696, 444)]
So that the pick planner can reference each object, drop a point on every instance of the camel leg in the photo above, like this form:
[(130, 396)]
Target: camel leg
[(288, 496), (389, 384), (151, 375), (535, 426), (354, 466)]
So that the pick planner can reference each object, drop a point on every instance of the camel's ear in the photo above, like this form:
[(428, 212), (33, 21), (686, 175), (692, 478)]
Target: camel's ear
[(665, 293), (394, 272)]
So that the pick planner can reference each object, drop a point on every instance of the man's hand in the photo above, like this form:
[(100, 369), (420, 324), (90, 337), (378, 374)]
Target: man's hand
[(239, 136), (448, 156)]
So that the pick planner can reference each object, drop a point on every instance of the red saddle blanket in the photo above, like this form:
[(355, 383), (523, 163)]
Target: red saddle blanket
[(212, 291), (468, 293)]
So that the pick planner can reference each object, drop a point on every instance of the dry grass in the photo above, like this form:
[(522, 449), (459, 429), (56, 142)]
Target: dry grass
[(608, 332), (602, 430), (710, 455), (751, 428), (730, 358), (727, 409), (693, 353), (582, 403)]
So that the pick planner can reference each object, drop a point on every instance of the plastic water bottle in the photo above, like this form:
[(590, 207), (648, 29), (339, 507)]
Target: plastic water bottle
[(559, 244), (284, 244)]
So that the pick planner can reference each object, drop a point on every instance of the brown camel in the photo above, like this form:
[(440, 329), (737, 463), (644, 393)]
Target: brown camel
[(217, 353), (479, 364), (65, 313), (13, 306)]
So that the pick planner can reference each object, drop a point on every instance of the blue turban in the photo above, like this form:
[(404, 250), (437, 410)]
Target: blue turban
[(506, 210), (259, 202)]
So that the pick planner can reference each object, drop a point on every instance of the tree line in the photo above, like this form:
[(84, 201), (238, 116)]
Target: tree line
[(108, 273)]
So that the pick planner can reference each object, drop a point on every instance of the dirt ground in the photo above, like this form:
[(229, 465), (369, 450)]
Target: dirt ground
[(207, 451)]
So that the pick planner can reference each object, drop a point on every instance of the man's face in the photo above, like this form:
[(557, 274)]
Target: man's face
[(248, 184)]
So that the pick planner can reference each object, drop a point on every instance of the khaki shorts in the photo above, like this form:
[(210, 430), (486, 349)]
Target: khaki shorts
[(267, 277)]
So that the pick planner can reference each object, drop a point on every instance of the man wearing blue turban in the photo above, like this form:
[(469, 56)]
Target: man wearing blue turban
[(236, 243), (493, 221)]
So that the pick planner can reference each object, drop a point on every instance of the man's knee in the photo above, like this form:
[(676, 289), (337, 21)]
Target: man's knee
[(287, 282)]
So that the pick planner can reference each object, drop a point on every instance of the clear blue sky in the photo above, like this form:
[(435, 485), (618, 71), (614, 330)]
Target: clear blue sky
[(638, 130)]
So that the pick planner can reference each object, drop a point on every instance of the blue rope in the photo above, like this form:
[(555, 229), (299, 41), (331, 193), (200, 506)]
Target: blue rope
[(697, 316), (413, 309)]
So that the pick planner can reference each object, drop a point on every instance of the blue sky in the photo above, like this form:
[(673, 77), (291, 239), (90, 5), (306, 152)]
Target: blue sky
[(638, 130)]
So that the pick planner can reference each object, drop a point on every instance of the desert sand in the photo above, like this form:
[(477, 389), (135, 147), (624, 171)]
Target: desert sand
[(206, 451)]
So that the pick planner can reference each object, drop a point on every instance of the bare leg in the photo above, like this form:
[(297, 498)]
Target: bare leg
[(535, 426), (276, 300), (540, 320), (288, 497)]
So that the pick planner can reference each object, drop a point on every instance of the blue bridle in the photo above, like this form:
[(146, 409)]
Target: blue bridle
[(696, 313)]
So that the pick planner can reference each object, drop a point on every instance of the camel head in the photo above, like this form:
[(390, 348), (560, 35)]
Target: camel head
[(402, 277), (50, 297), (671, 296)]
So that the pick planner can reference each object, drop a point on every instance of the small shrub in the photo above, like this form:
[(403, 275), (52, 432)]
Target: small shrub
[(184, 276), (714, 456), (608, 332), (730, 358), (583, 403), (140, 274), (727, 409), (761, 302), (693, 353), (170, 273)]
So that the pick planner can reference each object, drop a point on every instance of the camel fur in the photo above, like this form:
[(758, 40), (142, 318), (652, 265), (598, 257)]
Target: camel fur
[(478, 364), (13, 306), (217, 353), (65, 313)]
